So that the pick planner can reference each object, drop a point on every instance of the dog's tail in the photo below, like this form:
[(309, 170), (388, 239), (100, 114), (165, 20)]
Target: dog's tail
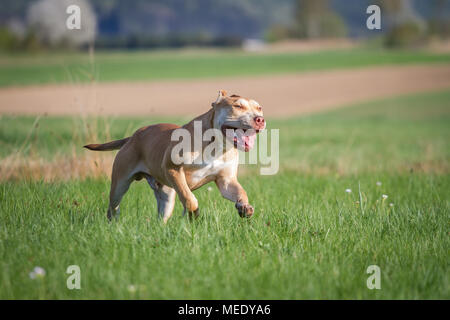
[(109, 146)]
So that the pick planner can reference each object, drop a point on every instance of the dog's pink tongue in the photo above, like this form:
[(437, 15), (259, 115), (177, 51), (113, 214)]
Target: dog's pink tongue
[(245, 141), (249, 140)]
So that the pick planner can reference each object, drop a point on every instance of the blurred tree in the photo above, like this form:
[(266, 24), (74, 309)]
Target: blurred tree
[(8, 41), (439, 22), (13, 40), (403, 24), (316, 19), (277, 33), (47, 20)]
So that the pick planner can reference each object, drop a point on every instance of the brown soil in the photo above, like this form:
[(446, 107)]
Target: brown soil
[(280, 95)]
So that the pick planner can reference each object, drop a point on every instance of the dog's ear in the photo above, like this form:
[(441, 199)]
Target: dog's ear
[(222, 94)]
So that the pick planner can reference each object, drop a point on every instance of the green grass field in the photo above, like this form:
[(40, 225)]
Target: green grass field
[(308, 239), (25, 69)]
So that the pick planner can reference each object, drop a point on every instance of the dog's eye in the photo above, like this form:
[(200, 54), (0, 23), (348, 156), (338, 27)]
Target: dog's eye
[(238, 106), (259, 108)]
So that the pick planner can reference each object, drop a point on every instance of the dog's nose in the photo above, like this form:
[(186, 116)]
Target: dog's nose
[(259, 121)]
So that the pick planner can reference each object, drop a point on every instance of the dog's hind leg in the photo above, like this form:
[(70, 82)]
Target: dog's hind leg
[(118, 189), (165, 197), (122, 177)]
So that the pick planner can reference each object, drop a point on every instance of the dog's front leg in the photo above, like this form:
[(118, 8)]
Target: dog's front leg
[(232, 190), (178, 181)]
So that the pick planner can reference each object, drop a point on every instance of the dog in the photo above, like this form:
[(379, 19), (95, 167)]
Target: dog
[(148, 154)]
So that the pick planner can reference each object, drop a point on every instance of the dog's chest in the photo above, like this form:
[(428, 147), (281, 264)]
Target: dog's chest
[(210, 169)]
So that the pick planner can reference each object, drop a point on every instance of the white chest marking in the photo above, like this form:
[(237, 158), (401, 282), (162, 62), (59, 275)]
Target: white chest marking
[(211, 168)]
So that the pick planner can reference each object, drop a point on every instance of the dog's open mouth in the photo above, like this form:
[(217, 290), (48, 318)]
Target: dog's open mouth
[(243, 139)]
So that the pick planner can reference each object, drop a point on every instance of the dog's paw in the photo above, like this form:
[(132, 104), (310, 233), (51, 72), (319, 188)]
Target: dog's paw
[(245, 210), (194, 214)]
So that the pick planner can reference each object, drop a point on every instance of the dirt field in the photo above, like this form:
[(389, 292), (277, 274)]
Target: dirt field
[(280, 95)]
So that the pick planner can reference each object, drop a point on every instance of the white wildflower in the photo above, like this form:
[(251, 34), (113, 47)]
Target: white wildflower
[(132, 288), (384, 196), (378, 183), (348, 190), (37, 272)]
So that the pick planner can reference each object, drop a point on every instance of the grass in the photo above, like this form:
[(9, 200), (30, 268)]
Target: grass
[(308, 239), (154, 66)]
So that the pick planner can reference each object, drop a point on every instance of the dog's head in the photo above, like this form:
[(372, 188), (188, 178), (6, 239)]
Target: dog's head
[(239, 119)]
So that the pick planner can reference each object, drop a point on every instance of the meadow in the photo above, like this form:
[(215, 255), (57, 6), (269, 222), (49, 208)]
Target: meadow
[(309, 237), (49, 67)]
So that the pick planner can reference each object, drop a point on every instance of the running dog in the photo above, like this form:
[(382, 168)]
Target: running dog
[(149, 154)]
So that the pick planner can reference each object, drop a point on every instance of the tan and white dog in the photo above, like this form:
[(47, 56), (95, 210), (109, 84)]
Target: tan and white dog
[(148, 154)]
